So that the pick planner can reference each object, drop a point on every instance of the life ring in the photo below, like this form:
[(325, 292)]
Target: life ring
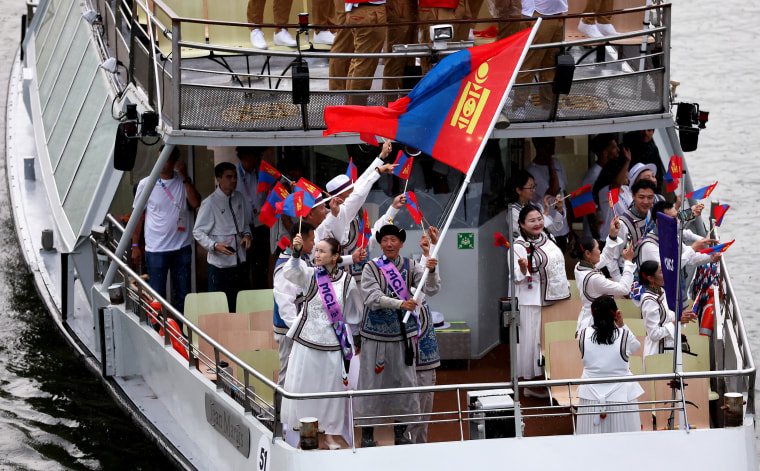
[(708, 316)]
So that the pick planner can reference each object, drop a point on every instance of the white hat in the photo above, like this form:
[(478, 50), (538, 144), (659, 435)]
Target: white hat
[(338, 185), (638, 169), (438, 322)]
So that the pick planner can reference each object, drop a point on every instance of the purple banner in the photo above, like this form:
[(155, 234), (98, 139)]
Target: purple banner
[(667, 229)]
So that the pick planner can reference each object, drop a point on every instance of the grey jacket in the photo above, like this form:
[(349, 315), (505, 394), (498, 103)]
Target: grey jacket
[(215, 224)]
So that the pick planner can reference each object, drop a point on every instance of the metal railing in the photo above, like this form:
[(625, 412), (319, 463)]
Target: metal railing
[(226, 95), (252, 401)]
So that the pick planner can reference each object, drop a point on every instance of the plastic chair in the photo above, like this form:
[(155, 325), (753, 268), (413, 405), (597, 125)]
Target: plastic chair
[(700, 346), (566, 310), (554, 332), (567, 364), (240, 341), (261, 320), (696, 391), (254, 300), (197, 304), (267, 362)]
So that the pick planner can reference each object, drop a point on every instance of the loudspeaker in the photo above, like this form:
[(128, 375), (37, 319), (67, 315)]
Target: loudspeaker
[(563, 75), (300, 82), (124, 149)]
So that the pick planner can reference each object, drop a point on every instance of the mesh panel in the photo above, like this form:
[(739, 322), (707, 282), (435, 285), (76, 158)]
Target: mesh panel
[(232, 109)]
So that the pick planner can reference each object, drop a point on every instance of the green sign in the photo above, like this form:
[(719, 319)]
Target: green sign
[(466, 240)]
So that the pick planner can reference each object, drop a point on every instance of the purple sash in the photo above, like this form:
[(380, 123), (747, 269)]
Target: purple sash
[(332, 308), (396, 282)]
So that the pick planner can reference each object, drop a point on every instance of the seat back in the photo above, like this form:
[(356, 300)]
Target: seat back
[(217, 326), (553, 332), (253, 300), (628, 308), (197, 304), (566, 364), (266, 362), (696, 391), (637, 327), (261, 320)]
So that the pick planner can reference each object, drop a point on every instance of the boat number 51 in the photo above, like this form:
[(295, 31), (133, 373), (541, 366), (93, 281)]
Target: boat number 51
[(262, 456)]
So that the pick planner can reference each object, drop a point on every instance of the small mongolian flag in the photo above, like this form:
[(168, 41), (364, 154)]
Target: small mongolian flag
[(702, 193), (613, 196), (268, 176), (720, 211), (296, 205), (365, 232), (411, 205), (674, 173), (369, 138), (284, 243), (269, 214), (582, 201), (309, 187), (351, 172), (500, 240), (403, 165), (720, 248)]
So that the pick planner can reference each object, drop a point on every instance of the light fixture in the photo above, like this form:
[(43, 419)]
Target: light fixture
[(441, 34), (92, 17), (110, 65)]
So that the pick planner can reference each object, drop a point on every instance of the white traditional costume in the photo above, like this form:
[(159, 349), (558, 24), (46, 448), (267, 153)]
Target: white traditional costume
[(658, 320), (603, 361), (543, 284), (552, 224)]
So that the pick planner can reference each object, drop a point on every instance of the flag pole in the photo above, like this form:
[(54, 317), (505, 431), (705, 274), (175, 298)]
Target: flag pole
[(474, 163)]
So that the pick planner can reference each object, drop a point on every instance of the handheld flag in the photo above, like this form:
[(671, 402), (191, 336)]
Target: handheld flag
[(369, 138), (268, 176), (309, 187), (403, 165), (702, 193), (613, 196), (500, 240), (720, 248), (365, 232), (720, 211), (411, 205), (674, 173), (449, 112), (269, 214), (582, 201), (296, 205), (284, 243), (351, 172)]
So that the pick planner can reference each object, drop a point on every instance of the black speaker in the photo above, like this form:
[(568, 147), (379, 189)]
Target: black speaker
[(688, 138), (124, 149), (300, 82), (563, 75)]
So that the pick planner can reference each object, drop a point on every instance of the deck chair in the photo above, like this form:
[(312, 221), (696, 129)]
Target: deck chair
[(566, 364), (197, 304), (697, 391), (266, 362), (553, 332), (254, 300), (193, 32)]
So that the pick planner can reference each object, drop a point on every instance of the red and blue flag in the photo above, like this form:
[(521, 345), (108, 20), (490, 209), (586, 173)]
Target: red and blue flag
[(309, 187), (674, 173), (702, 193), (268, 176), (284, 243), (369, 138), (296, 205), (365, 232), (720, 211), (403, 165), (500, 240), (720, 248), (352, 172), (613, 196), (411, 205), (269, 214), (582, 201), (449, 112)]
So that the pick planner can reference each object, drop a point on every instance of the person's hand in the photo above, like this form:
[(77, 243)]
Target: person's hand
[(523, 263), (614, 227), (222, 248), (547, 204), (359, 255), (619, 319), (688, 316), (386, 151), (431, 264), (702, 243), (628, 252), (697, 210), (433, 233), (399, 201), (715, 256), (246, 242), (626, 153), (181, 168), (335, 205), (297, 243), (410, 305), (386, 168), (677, 204), (136, 256), (425, 244)]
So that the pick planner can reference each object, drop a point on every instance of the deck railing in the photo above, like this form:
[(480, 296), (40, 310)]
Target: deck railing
[(200, 84), (737, 374)]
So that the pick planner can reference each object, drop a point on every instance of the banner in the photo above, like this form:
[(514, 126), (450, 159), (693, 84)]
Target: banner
[(668, 232)]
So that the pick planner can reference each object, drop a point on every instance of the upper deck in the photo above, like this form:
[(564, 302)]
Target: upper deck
[(205, 80)]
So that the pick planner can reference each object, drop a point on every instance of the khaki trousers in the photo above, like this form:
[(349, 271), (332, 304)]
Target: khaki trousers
[(280, 10), (366, 40), (399, 11), (596, 6)]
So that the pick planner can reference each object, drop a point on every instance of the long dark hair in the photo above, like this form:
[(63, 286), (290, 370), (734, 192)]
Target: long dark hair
[(334, 248), (579, 248), (603, 310), (527, 209), (608, 174), (647, 271), (519, 180)]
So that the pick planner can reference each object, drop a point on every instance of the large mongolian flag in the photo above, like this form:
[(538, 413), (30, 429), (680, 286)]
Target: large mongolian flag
[(449, 112)]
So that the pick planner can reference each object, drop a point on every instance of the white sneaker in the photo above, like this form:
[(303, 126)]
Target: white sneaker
[(283, 38), (258, 40), (471, 35), (606, 29), (589, 30), (324, 37)]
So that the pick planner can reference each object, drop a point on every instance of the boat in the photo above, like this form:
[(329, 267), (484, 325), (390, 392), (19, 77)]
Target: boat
[(98, 86)]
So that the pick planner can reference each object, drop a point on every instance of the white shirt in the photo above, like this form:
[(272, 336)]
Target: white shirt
[(247, 184), (543, 7), (162, 215)]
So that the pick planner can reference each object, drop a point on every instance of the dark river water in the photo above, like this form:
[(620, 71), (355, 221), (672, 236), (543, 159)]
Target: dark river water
[(56, 415)]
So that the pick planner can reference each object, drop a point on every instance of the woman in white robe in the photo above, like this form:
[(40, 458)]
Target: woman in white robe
[(316, 362), (605, 349), (540, 280), (592, 282)]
